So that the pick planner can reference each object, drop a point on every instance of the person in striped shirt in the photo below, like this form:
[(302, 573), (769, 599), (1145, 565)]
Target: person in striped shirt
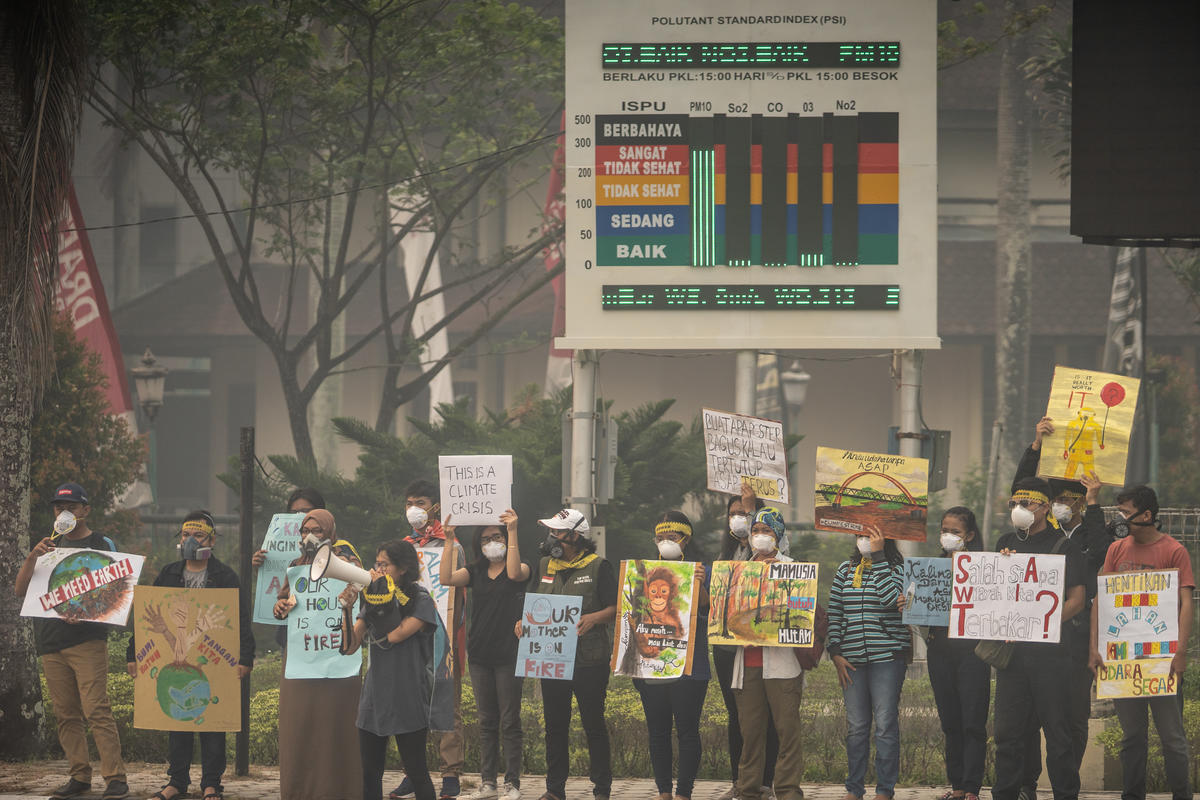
[(869, 645)]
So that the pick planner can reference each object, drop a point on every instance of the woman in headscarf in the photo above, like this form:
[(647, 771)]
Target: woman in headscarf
[(318, 739)]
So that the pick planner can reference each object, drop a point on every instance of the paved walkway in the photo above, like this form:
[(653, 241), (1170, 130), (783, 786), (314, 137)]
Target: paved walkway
[(36, 779)]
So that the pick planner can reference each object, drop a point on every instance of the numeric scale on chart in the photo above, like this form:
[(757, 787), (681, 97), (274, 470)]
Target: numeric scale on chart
[(731, 165)]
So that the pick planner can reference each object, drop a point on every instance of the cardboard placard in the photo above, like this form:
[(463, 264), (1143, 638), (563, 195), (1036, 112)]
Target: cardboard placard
[(1137, 631), (282, 544), (927, 591), (1014, 597), (743, 449), (315, 629), (762, 604), (1093, 418), (856, 490), (549, 636), (475, 490), (656, 619), (77, 584)]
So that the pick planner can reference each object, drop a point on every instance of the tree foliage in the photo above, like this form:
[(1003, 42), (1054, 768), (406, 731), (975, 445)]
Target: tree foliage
[(1178, 414), (75, 437), (348, 126)]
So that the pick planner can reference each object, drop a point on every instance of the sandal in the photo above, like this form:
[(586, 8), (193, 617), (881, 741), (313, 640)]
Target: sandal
[(212, 793), (177, 796)]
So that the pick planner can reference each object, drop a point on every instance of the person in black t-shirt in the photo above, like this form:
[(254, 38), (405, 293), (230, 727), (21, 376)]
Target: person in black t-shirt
[(496, 579), (1034, 686), (75, 661)]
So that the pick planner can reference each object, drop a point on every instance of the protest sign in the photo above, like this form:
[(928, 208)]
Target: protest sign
[(81, 585), (315, 629), (1145, 678), (1137, 632), (926, 591), (475, 490), (549, 634), (743, 449), (442, 706), (430, 559), (1015, 597), (856, 490), (187, 643), (656, 620), (762, 604), (282, 544), (1093, 418)]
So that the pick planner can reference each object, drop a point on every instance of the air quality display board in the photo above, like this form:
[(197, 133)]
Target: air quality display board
[(758, 179)]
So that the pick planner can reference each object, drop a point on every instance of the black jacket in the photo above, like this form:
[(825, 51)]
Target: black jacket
[(220, 576)]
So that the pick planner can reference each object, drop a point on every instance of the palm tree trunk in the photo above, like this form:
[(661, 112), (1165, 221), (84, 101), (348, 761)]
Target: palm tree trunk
[(1014, 255)]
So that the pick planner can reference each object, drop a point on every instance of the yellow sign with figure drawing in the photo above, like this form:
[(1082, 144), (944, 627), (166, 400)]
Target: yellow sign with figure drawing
[(1093, 419)]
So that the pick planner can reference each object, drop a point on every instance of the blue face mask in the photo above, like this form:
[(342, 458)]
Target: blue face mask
[(191, 549)]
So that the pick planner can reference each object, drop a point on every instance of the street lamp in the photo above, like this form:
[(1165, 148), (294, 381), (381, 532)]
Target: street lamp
[(148, 380), (795, 382)]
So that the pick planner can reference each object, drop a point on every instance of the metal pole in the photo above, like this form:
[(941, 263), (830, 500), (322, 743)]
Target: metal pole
[(910, 433), (745, 381), (993, 474), (583, 432), (246, 590)]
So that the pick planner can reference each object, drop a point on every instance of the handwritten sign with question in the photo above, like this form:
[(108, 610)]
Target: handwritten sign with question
[(1014, 597), (743, 449), (549, 635), (927, 591)]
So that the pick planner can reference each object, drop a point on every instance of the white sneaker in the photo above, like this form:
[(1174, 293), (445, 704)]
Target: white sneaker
[(487, 791), (510, 792)]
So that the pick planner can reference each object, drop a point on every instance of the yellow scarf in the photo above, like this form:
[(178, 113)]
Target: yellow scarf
[(581, 560), (864, 563)]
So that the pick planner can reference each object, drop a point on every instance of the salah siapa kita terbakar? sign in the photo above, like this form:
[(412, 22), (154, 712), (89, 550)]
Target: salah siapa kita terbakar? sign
[(1015, 597)]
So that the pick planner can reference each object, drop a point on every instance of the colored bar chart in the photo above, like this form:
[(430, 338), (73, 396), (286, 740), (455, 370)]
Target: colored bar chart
[(741, 191)]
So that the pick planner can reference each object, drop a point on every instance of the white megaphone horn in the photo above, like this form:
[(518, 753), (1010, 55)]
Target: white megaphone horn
[(326, 565)]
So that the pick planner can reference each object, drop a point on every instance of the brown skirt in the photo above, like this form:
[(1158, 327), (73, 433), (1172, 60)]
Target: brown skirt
[(318, 741)]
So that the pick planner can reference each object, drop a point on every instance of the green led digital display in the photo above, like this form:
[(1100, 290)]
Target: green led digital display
[(717, 297), (790, 55)]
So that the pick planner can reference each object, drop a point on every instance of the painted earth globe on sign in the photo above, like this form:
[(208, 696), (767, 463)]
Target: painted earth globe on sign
[(100, 602), (183, 691)]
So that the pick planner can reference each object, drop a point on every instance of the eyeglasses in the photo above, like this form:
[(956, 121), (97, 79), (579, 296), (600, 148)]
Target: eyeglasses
[(1023, 504), (495, 537), (314, 531), (382, 565)]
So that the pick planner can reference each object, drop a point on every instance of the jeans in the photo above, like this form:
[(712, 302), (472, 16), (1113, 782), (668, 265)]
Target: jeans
[(723, 664), (754, 698), (1035, 686), (1168, 719), (179, 759), (874, 693), (412, 752), (77, 679), (498, 706), (590, 687), (962, 689), (683, 702)]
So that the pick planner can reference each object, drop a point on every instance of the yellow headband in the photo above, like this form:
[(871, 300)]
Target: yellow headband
[(196, 526), (1029, 494), (673, 527)]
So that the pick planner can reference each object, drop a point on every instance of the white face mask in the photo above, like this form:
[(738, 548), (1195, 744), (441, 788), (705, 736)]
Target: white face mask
[(1022, 518), (669, 550), (739, 525), (494, 551), (64, 523), (952, 543), (417, 517), (864, 545), (762, 543), (1061, 511)]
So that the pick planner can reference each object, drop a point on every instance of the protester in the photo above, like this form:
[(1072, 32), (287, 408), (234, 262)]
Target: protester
[(678, 702), (735, 546), (1147, 548), (962, 683), (317, 753), (75, 662), (199, 569), (496, 579), (421, 509), (570, 566), (870, 646), (1084, 525), (768, 678), (397, 621), (1036, 684), (301, 501)]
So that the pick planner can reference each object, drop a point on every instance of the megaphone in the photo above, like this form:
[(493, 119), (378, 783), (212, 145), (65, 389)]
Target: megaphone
[(326, 565)]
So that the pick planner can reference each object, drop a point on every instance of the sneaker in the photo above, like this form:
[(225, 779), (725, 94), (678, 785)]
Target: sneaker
[(728, 794), (403, 791), (510, 792), (72, 788), (950, 795), (116, 790), (486, 791), (450, 787)]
